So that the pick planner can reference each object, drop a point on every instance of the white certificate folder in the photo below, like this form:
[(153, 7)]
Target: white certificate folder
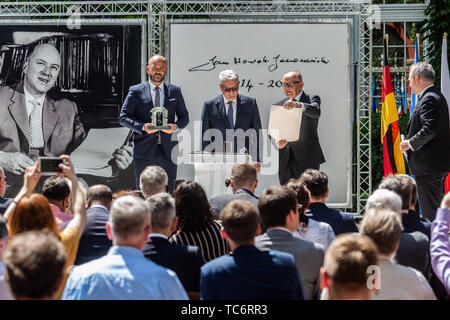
[(285, 124)]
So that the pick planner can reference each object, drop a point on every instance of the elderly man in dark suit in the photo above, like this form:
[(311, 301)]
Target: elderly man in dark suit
[(228, 113), (154, 146), (185, 261), (305, 153), (248, 273), (94, 242), (4, 203), (428, 139)]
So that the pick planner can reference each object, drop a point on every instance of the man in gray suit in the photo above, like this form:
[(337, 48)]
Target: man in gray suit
[(243, 182), (35, 122), (278, 210)]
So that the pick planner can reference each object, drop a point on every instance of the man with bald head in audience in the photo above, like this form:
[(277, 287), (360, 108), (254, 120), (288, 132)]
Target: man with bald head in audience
[(243, 182)]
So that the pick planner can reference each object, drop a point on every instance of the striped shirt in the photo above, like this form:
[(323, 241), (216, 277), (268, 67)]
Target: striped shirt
[(209, 240)]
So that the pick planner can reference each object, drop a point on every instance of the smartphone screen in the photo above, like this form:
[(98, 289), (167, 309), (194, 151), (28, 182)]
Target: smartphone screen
[(50, 164)]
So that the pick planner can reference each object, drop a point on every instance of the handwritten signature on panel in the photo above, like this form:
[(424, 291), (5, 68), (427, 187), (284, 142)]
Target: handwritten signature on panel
[(272, 64)]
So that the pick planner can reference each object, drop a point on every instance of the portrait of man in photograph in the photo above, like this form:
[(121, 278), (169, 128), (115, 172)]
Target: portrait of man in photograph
[(60, 94)]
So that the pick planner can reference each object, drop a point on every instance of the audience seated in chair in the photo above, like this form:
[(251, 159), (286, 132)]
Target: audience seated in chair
[(153, 180), (308, 228), (124, 273), (30, 212), (345, 268), (317, 183), (185, 261), (406, 188), (4, 202), (37, 272), (279, 213), (413, 250), (440, 245), (196, 224), (397, 282), (94, 242), (243, 182), (57, 191), (5, 292), (248, 273)]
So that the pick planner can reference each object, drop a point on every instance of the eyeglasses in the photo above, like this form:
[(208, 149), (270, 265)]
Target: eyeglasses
[(229, 89), (290, 84)]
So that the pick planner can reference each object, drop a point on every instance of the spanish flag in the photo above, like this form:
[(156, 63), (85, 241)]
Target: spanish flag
[(390, 134)]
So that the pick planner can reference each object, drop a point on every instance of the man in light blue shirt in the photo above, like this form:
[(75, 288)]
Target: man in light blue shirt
[(124, 272)]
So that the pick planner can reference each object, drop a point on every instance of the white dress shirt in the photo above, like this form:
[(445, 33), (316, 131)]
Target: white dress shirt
[(234, 108), (29, 98), (161, 92), (298, 100)]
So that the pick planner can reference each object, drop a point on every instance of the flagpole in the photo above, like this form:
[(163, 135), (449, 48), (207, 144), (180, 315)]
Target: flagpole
[(386, 37), (418, 45)]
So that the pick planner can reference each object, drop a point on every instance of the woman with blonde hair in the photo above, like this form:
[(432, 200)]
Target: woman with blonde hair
[(32, 212)]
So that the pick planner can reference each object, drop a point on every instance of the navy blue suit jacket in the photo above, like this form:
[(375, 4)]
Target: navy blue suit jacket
[(340, 222), (4, 203), (307, 150), (136, 112), (214, 116), (412, 222), (94, 242), (185, 261), (251, 274)]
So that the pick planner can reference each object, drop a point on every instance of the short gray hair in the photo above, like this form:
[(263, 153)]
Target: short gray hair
[(153, 180), (228, 75), (423, 70), (162, 210), (384, 227), (129, 215), (384, 199)]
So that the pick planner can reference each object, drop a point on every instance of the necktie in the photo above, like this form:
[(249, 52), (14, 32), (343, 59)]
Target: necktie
[(35, 126), (230, 113), (157, 104), (157, 97)]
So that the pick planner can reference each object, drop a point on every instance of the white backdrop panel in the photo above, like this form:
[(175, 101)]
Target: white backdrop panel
[(261, 54)]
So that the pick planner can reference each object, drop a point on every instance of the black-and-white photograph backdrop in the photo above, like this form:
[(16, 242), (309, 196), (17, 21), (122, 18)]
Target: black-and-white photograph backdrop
[(82, 96)]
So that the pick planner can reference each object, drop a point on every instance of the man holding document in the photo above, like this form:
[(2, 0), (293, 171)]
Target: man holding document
[(305, 152)]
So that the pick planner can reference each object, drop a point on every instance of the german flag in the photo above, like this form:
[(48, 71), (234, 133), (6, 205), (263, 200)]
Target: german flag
[(390, 134)]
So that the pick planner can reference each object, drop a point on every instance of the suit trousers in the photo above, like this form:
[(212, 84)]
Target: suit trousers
[(289, 167), (159, 160), (430, 190)]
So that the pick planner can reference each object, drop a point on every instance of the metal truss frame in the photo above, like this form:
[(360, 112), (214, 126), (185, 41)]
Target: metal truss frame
[(158, 12)]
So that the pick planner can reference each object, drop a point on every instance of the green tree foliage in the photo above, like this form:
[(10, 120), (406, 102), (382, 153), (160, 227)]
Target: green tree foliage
[(435, 25)]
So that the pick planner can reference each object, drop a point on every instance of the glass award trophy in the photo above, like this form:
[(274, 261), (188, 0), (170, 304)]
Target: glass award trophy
[(159, 118)]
